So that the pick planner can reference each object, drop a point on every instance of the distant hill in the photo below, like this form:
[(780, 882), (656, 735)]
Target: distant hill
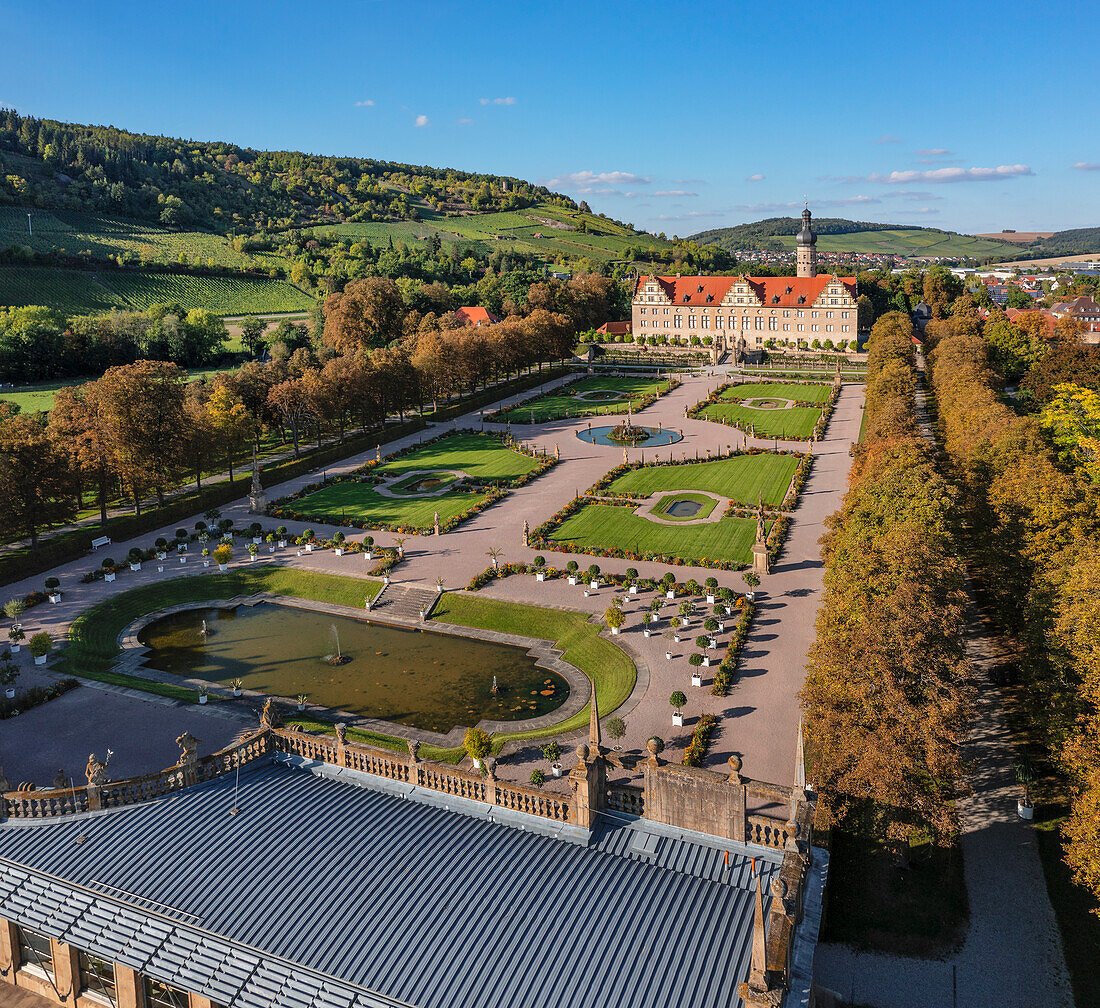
[(1077, 241), (839, 235)]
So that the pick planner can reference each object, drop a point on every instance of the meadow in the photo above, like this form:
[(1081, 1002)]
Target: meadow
[(740, 478), (562, 403), (83, 292)]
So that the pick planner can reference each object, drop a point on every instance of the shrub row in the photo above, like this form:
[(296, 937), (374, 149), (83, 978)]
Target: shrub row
[(34, 696), (700, 739)]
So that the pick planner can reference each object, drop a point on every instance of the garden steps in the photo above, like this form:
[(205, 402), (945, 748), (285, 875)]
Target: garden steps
[(405, 602)]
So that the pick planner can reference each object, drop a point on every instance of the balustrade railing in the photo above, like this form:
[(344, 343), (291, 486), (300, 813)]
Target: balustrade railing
[(765, 831), (626, 798)]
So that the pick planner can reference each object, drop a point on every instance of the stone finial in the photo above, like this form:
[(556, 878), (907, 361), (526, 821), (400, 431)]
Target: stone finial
[(582, 753), (189, 749), (341, 733), (735, 769), (96, 771), (490, 768), (654, 751), (414, 749), (780, 894), (269, 716)]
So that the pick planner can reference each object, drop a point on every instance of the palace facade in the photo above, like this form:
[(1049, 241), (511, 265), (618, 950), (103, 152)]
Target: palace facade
[(742, 312)]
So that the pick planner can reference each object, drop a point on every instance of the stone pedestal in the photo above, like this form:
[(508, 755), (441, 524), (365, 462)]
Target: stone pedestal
[(760, 558), (257, 502)]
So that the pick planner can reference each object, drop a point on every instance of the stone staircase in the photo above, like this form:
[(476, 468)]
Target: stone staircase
[(404, 602)]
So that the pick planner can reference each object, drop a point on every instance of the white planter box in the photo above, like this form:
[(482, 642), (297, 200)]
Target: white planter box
[(55, 597), (236, 692), (339, 551), (678, 720), (540, 576), (556, 769), (1026, 812), (271, 548), (40, 659), (15, 648), (368, 555), (162, 556), (615, 629), (721, 627), (713, 643), (301, 706), (594, 585), (706, 662), (223, 567), (183, 559), (710, 598), (206, 563), (646, 631), (633, 589), (257, 539), (108, 577), (135, 566), (9, 692), (251, 557), (160, 568), (572, 579), (309, 547), (668, 655), (282, 544), (202, 698), (696, 679), (670, 594)]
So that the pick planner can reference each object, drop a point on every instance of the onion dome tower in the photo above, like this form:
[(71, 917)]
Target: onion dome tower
[(807, 246)]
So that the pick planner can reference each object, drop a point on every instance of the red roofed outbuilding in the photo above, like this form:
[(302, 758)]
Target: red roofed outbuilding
[(476, 316)]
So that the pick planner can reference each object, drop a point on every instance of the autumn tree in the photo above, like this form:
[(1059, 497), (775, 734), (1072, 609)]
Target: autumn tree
[(229, 422), (290, 399), (368, 314), (37, 480)]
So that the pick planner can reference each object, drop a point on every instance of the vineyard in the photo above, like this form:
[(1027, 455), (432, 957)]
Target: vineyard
[(78, 292), (99, 237)]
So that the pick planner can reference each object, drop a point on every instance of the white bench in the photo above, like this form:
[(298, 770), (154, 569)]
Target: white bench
[(101, 541)]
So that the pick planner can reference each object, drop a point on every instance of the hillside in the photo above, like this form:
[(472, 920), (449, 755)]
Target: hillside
[(839, 235), (219, 186)]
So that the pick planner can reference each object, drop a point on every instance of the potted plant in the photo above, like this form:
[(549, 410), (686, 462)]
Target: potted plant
[(594, 576), (108, 569), (307, 540), (616, 728), (14, 608), (52, 590), (647, 618), (539, 564), (537, 778), (203, 694), (477, 743), (552, 752), (134, 556), (303, 699), (670, 589), (572, 568), (752, 579), (1025, 775), (439, 582), (181, 540), (9, 672), (712, 588), (238, 686), (255, 529), (338, 543), (15, 635), (270, 542), (614, 617), (675, 624), (39, 645), (632, 577), (368, 547), (678, 702), (205, 557), (281, 533), (253, 549), (162, 547), (223, 554)]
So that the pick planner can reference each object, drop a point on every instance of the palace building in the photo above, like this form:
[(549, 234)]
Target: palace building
[(742, 312)]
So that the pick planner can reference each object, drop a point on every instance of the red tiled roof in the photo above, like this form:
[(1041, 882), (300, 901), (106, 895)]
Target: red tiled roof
[(615, 328), (1015, 313), (779, 292), (476, 316)]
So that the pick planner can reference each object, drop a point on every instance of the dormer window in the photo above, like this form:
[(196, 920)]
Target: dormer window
[(700, 290), (710, 297), (775, 299), (686, 296), (790, 290), (801, 298)]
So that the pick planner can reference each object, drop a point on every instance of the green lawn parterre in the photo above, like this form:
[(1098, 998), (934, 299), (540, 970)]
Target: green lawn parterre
[(481, 456), (789, 422), (741, 478), (794, 391), (563, 403)]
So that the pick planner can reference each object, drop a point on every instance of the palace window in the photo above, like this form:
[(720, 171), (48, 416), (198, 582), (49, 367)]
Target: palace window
[(97, 976), (666, 311), (814, 328), (828, 314), (828, 328), (706, 321), (641, 311), (786, 327), (843, 328), (773, 324), (843, 314), (691, 321), (813, 314), (35, 950), (159, 995), (759, 322), (801, 314), (679, 321), (786, 314), (665, 323), (801, 327)]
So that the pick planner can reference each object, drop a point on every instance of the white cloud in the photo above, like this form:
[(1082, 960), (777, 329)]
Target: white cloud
[(888, 138), (672, 192), (595, 182), (421, 120), (464, 122), (366, 101), (755, 178), (497, 101), (1087, 166), (933, 152), (952, 175), (690, 215)]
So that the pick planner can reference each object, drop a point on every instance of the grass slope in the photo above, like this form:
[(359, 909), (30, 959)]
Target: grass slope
[(557, 405), (918, 242), (78, 292), (740, 478), (606, 526), (795, 421)]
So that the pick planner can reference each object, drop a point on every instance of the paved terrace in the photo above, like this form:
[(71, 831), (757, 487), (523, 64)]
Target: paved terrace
[(759, 717)]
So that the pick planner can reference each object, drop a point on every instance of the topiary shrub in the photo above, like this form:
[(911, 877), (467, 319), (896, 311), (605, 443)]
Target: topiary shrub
[(616, 727)]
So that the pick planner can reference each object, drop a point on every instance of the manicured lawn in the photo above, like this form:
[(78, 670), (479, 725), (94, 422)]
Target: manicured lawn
[(564, 403), (607, 526), (706, 506), (778, 390), (482, 456), (795, 421), (740, 478), (607, 665)]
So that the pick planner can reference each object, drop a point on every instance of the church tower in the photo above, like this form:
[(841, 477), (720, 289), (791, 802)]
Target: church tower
[(807, 247)]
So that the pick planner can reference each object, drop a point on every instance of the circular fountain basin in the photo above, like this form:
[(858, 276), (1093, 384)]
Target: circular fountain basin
[(601, 436)]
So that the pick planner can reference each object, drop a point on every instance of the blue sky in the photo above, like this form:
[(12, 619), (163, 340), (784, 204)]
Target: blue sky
[(674, 116)]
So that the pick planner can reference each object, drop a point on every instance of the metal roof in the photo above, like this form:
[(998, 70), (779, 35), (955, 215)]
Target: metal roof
[(385, 896)]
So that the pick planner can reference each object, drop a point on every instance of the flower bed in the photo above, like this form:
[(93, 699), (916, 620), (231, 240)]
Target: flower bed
[(34, 696), (726, 673), (700, 738)]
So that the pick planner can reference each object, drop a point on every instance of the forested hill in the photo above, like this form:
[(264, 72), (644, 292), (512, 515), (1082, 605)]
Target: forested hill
[(756, 234), (220, 186)]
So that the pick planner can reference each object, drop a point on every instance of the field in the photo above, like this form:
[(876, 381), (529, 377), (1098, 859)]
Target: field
[(544, 230), (740, 478), (563, 403), (598, 527), (792, 422), (80, 292), (39, 397), (85, 234), (917, 242), (481, 456), (777, 390)]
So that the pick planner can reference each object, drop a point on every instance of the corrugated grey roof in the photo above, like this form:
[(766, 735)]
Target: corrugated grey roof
[(419, 902)]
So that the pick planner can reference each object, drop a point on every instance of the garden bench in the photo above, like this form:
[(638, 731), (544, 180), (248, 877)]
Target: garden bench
[(101, 541)]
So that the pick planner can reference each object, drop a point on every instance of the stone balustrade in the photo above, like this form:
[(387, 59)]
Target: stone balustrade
[(765, 831), (626, 798)]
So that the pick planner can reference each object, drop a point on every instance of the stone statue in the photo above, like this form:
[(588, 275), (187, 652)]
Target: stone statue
[(257, 499), (378, 454), (269, 716), (414, 748), (761, 528), (189, 749), (526, 532), (341, 733), (60, 782), (437, 523), (96, 771)]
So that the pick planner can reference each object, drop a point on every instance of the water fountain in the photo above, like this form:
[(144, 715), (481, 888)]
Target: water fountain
[(628, 433), (494, 689), (202, 632), (337, 657)]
